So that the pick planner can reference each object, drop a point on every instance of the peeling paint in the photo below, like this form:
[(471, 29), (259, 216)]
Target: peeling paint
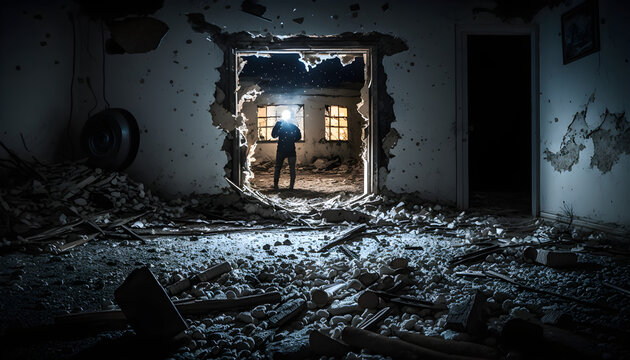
[(611, 139), (572, 142), (389, 141)]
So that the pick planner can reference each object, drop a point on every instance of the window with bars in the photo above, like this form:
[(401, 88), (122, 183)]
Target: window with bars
[(336, 123), (268, 115)]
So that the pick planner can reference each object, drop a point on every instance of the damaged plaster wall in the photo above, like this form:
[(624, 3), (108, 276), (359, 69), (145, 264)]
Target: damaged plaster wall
[(420, 81), (584, 132), (170, 89), (36, 71)]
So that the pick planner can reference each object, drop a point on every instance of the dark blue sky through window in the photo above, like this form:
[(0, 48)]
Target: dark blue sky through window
[(286, 72)]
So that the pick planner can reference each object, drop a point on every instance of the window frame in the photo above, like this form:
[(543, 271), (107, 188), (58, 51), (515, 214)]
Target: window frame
[(302, 129), (328, 115)]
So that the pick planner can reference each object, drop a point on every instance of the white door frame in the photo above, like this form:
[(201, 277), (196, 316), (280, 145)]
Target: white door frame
[(461, 50), (371, 166)]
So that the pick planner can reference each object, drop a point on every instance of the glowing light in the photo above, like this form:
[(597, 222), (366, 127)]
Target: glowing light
[(286, 115)]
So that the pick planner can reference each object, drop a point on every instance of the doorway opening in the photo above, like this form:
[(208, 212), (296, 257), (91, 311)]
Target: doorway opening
[(497, 119), (499, 122), (326, 95)]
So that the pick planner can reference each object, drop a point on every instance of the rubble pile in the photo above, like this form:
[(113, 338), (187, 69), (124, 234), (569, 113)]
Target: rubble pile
[(40, 199), (351, 277)]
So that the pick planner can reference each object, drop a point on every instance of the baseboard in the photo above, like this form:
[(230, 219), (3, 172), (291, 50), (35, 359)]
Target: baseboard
[(619, 231)]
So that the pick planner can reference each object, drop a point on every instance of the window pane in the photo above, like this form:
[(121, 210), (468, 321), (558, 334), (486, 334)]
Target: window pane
[(262, 111), (262, 122), (343, 134), (334, 111), (269, 133), (334, 122), (271, 111), (343, 122), (343, 111), (327, 121), (327, 111), (327, 134), (334, 133), (261, 133)]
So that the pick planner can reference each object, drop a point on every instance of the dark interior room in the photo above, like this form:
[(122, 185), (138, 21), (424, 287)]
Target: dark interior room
[(314, 179)]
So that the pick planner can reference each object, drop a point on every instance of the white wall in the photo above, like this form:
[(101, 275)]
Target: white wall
[(180, 151), (564, 91), (314, 107), (421, 81)]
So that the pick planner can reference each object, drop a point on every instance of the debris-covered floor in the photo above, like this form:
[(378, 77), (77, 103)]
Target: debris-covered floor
[(251, 275), (320, 179)]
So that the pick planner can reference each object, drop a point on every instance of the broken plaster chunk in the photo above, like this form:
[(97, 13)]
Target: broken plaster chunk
[(137, 34), (557, 259)]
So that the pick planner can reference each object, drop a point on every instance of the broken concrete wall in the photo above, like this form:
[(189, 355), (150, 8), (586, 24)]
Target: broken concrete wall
[(170, 90), (420, 81), (314, 144), (36, 39), (584, 132)]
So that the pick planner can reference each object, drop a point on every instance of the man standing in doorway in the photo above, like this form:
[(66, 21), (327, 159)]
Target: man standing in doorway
[(287, 133)]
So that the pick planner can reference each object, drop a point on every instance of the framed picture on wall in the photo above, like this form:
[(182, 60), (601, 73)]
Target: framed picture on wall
[(580, 31)]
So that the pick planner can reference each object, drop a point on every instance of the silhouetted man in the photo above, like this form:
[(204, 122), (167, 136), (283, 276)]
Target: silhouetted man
[(287, 133)]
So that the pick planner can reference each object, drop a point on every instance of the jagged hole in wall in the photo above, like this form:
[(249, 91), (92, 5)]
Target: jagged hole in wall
[(226, 109)]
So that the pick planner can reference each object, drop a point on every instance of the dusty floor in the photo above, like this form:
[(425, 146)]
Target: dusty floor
[(36, 288), (311, 183)]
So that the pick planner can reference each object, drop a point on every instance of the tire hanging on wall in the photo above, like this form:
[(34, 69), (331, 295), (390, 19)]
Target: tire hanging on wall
[(111, 139)]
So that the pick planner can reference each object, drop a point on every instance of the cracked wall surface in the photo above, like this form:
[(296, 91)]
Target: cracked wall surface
[(583, 128), (170, 91), (611, 140), (572, 142)]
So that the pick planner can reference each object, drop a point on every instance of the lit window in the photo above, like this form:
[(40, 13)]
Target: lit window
[(336, 123), (268, 115)]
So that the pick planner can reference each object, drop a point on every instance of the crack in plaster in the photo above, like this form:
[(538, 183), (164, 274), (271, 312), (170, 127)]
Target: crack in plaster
[(610, 139)]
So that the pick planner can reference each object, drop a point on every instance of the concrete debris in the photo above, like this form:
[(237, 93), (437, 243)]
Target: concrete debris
[(551, 258), (253, 274)]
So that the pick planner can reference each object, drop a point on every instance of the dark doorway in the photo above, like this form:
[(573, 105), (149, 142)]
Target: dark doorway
[(499, 122)]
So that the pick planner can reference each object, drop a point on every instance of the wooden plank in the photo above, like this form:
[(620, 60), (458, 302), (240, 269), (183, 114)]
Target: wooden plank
[(469, 316), (77, 187), (349, 253), (347, 235), (203, 276), (393, 347), (286, 312), (133, 234), (185, 307), (125, 221), (454, 347), (73, 244), (620, 289), (370, 323), (201, 307)]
